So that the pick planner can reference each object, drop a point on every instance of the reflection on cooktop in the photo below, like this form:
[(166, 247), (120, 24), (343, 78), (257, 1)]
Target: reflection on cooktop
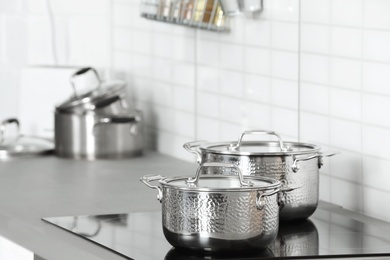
[(140, 236)]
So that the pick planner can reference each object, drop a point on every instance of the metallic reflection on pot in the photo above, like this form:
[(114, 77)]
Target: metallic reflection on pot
[(298, 238), (180, 254)]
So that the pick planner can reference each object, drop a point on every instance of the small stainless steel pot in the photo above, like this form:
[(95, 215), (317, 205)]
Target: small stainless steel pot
[(295, 164), (90, 136), (217, 212)]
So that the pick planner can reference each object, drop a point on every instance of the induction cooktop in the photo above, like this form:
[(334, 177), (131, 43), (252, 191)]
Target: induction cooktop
[(331, 232)]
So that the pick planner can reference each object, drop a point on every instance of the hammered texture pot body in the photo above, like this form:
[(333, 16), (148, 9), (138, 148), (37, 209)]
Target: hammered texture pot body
[(299, 203), (218, 221)]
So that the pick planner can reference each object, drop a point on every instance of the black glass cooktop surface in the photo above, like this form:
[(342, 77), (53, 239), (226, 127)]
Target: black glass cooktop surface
[(330, 233)]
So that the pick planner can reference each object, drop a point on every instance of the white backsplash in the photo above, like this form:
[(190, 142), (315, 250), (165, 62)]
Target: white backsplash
[(315, 71)]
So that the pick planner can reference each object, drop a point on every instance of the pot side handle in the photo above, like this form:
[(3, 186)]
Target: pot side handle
[(153, 177), (295, 167), (134, 120), (193, 147)]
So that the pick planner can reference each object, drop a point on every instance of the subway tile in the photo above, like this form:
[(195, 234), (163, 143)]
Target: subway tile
[(314, 68), (136, 21), (92, 50), (258, 88), (162, 94), (10, 81), (315, 38), (285, 10), (346, 42), (284, 93), (184, 124), (208, 79), (372, 110), (162, 69), (183, 49), (282, 31), (184, 99), (257, 33), (345, 73), (345, 104), (374, 202), (257, 116), (229, 132), (285, 65), (257, 60), (14, 37), (122, 61), (32, 6), (376, 172), (231, 109), (375, 45), (314, 98), (40, 46), (346, 194), (122, 39), (208, 52), (314, 128), (347, 12), (376, 78), (347, 166), (162, 45), (143, 43), (231, 83), (141, 65), (143, 89), (315, 11), (147, 112), (90, 7), (346, 135), (184, 74), (163, 117), (375, 141), (376, 15), (13, 7), (121, 15), (284, 121), (236, 34), (208, 104), (207, 129), (164, 28), (232, 56)]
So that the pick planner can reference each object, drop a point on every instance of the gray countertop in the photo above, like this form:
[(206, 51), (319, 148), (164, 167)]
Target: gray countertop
[(33, 188)]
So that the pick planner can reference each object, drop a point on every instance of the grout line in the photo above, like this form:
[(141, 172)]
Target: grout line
[(196, 86), (349, 26), (361, 111), (329, 99)]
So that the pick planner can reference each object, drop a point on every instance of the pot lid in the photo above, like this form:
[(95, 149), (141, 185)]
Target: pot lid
[(104, 94), (221, 182), (22, 145), (259, 147)]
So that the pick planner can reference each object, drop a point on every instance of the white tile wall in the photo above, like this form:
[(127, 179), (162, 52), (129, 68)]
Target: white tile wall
[(315, 71)]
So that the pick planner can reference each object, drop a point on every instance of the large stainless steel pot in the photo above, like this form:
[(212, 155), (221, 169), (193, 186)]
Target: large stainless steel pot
[(90, 136), (217, 212), (295, 164)]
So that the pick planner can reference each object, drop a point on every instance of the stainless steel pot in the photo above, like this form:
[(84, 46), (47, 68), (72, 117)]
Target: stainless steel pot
[(90, 136), (295, 164), (217, 212)]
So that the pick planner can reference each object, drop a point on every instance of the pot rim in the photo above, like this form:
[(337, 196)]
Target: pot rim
[(273, 184), (209, 148)]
